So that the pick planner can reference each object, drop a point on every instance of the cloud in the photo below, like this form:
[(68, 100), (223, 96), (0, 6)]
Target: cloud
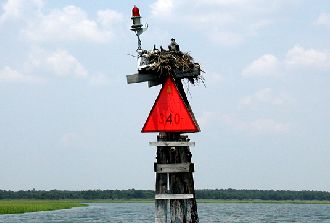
[(15, 9), (9, 75), (72, 24), (64, 64), (266, 65), (323, 19), (296, 58), (162, 8), (258, 126), (311, 58), (263, 96), (11, 9), (59, 63)]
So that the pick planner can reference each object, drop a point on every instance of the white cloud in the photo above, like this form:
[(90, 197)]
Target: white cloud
[(162, 8), (64, 64), (11, 9), (258, 126), (72, 24), (296, 58), (323, 19), (14, 9), (8, 74), (311, 58), (266, 65), (60, 63), (263, 96)]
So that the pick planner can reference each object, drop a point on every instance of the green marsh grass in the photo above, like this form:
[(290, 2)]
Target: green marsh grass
[(23, 206)]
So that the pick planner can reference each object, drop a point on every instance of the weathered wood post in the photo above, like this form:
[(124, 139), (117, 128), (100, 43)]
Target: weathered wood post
[(182, 182), (174, 179), (171, 116), (161, 206)]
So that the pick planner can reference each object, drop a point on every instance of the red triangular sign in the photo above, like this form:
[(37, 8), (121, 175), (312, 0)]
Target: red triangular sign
[(169, 113)]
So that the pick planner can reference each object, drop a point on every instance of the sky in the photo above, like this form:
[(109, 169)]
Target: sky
[(69, 120)]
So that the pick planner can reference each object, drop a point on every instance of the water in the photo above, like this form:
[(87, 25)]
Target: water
[(144, 213)]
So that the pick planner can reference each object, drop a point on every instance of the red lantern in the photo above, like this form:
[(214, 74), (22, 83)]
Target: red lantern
[(137, 27), (135, 11)]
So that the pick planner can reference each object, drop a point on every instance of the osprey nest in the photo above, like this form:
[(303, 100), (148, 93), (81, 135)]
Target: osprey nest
[(174, 62)]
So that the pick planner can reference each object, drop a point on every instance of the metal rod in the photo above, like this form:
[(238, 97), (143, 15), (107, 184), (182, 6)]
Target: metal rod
[(139, 42)]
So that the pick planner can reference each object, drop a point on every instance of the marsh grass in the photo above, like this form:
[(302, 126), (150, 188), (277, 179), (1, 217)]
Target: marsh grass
[(23, 206)]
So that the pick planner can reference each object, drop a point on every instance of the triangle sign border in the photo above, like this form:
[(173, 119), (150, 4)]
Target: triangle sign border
[(197, 129)]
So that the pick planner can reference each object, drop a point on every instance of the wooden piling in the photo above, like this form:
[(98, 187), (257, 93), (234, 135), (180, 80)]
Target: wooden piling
[(177, 184), (161, 182)]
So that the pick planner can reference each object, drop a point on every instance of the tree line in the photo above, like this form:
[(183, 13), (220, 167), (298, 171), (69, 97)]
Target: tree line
[(226, 194), (263, 194)]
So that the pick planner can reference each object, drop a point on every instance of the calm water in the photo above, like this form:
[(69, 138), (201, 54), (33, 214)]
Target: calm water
[(247, 213)]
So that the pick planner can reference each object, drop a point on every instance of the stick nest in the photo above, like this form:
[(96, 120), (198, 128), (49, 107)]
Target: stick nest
[(168, 61)]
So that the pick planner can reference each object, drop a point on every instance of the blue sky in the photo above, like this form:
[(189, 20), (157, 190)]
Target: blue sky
[(68, 120)]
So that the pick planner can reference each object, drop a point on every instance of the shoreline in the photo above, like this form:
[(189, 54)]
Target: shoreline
[(215, 201), (26, 206)]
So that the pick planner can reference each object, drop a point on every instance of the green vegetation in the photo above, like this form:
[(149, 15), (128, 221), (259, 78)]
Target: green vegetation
[(217, 201), (23, 206), (87, 195), (275, 195), (132, 194)]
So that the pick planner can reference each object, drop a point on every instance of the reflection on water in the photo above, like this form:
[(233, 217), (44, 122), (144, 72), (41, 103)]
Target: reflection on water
[(144, 213)]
